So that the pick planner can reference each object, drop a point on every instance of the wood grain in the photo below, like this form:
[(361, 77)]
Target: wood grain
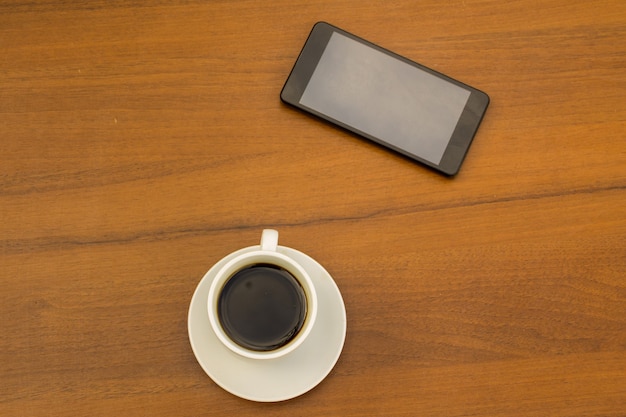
[(142, 141)]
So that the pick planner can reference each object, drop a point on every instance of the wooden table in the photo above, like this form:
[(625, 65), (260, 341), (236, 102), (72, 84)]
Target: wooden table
[(141, 142)]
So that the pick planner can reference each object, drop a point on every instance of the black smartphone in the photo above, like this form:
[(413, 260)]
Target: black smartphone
[(385, 97)]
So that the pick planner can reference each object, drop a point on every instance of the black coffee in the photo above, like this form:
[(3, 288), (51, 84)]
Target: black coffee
[(262, 307)]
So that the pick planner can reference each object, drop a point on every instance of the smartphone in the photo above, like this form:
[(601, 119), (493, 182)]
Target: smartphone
[(386, 98)]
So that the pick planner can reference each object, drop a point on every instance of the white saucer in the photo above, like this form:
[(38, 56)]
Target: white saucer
[(272, 379)]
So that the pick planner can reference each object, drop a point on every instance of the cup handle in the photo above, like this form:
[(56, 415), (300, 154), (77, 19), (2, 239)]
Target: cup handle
[(269, 240)]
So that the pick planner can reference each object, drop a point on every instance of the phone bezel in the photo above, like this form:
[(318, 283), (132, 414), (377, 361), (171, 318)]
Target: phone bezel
[(466, 126)]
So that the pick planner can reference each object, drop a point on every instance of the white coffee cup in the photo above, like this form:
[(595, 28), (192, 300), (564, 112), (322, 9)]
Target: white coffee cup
[(262, 307)]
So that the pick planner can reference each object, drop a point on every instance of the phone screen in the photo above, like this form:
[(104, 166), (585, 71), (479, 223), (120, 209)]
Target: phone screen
[(385, 97)]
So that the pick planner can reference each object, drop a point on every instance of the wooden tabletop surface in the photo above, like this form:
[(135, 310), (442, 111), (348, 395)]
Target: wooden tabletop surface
[(141, 142)]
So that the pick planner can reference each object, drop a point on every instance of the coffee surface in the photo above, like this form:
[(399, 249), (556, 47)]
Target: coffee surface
[(262, 307)]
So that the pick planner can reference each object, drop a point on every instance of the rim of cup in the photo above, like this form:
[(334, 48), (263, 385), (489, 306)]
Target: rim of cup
[(258, 257)]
